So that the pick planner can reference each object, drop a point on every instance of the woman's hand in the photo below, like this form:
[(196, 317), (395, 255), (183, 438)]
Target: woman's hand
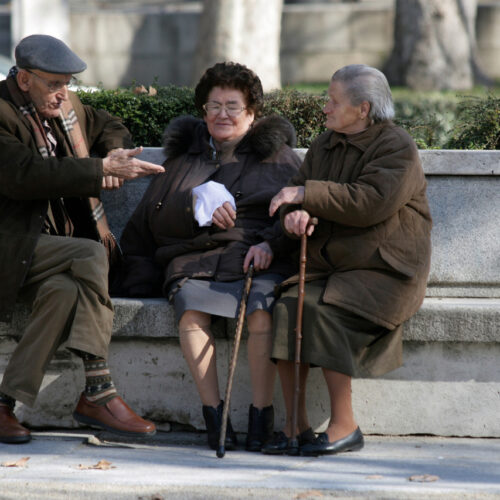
[(297, 223), (224, 216), (261, 254), (294, 194)]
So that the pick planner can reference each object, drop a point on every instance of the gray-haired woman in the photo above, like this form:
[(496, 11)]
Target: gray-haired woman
[(367, 259)]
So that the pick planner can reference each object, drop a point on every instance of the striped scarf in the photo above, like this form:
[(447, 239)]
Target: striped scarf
[(74, 136)]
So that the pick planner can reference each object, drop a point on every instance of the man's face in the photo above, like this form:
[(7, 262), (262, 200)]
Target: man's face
[(47, 91)]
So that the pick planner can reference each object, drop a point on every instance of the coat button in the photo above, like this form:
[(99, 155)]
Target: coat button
[(188, 209), (158, 205)]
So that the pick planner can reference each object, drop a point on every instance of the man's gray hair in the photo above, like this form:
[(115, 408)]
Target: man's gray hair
[(364, 83)]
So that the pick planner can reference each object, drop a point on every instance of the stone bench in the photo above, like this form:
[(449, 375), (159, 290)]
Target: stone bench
[(449, 384)]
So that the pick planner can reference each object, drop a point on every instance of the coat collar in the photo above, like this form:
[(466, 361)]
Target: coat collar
[(361, 140), (265, 137)]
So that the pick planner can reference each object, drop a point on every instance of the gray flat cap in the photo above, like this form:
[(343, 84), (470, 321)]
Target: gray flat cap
[(49, 54)]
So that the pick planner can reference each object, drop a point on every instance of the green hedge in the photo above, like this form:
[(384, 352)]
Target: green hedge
[(437, 121), (477, 124), (145, 116)]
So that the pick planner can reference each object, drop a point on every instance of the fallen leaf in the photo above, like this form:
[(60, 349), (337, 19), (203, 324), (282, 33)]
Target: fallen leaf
[(101, 465), (94, 440), (141, 89), (374, 476), (19, 463), (308, 494), (423, 478)]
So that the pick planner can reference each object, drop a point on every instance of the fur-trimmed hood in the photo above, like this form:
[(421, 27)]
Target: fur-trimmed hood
[(266, 137)]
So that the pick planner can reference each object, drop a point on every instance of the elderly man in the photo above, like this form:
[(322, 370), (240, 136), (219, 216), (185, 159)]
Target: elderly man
[(52, 230)]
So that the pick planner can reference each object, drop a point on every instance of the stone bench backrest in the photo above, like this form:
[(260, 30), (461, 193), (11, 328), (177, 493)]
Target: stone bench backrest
[(464, 196)]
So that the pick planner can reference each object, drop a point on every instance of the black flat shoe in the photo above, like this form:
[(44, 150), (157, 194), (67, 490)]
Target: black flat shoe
[(321, 445), (279, 444)]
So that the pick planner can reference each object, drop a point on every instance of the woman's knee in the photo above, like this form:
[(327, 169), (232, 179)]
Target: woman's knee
[(259, 323), (194, 319)]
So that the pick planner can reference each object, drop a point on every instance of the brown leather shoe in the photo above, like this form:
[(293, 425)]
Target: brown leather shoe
[(115, 416), (11, 431)]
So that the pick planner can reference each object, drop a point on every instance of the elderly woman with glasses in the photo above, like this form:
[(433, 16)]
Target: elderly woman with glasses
[(367, 258), (201, 224)]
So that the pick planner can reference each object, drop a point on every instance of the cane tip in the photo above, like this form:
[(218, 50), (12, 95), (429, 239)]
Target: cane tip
[(221, 452)]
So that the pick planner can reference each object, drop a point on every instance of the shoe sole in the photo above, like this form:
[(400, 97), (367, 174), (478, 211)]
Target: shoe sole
[(253, 448), (355, 447), (15, 439), (83, 419), (274, 452)]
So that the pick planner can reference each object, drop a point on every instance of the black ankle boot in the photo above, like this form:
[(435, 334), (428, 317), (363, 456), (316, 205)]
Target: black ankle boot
[(260, 427), (213, 421)]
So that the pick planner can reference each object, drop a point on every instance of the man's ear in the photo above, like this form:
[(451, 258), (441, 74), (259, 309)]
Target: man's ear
[(23, 80)]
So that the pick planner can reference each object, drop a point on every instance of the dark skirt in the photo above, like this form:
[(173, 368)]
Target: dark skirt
[(332, 337), (222, 298)]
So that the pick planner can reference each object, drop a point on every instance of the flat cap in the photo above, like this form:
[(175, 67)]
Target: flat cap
[(48, 54)]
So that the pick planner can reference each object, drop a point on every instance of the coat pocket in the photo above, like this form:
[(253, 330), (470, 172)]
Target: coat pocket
[(401, 256)]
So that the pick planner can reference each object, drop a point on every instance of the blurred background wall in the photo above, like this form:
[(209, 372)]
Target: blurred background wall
[(144, 41)]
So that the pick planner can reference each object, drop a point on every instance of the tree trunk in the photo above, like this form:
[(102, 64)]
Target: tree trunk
[(434, 45), (50, 17), (244, 31)]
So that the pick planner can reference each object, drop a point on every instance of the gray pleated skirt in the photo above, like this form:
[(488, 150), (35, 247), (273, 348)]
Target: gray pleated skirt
[(222, 298), (332, 337)]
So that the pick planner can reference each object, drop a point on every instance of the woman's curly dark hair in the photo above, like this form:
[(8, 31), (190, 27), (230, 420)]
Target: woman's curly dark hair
[(231, 75)]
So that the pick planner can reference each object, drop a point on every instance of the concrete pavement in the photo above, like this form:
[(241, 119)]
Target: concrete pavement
[(178, 465)]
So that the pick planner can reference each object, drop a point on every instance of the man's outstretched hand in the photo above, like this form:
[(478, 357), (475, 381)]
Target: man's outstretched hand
[(122, 163)]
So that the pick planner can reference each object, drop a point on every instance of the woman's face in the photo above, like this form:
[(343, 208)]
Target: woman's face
[(341, 115), (225, 114)]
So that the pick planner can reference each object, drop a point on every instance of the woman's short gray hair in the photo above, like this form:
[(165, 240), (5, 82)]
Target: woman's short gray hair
[(364, 83)]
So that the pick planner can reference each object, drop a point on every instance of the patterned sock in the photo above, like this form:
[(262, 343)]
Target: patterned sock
[(7, 400), (99, 387)]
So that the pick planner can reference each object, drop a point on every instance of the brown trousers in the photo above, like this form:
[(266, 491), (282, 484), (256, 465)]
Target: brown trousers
[(67, 285)]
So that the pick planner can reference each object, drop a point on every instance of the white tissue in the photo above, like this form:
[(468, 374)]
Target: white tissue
[(209, 197)]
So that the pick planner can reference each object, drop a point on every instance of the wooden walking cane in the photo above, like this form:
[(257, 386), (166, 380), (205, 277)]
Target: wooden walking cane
[(234, 356), (293, 443)]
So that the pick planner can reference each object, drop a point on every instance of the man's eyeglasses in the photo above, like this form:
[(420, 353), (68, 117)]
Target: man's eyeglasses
[(214, 108), (53, 86)]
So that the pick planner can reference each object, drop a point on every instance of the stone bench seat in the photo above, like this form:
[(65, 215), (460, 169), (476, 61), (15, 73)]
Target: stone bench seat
[(449, 384)]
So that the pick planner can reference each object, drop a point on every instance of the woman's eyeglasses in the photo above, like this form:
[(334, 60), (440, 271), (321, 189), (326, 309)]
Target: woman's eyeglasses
[(214, 108)]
